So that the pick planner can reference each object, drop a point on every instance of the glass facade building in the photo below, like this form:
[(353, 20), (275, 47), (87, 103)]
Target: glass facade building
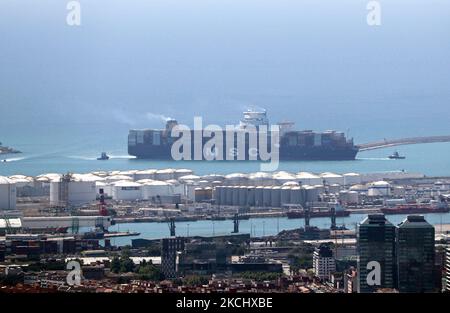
[(415, 255), (376, 244)]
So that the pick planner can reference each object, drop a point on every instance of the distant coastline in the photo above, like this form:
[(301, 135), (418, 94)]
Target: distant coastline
[(7, 150)]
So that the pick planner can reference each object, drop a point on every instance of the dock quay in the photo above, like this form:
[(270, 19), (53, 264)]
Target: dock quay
[(403, 141)]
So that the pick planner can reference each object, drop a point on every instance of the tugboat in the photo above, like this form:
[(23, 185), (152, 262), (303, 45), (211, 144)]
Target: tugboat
[(396, 156), (103, 156)]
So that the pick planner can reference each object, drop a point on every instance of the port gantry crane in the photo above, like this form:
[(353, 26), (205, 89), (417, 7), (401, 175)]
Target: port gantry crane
[(236, 223), (8, 228)]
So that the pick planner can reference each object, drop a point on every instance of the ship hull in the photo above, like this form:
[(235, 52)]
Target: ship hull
[(144, 151)]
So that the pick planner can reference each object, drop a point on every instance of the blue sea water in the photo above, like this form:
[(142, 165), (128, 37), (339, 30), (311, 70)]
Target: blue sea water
[(428, 159), (256, 227), (69, 93)]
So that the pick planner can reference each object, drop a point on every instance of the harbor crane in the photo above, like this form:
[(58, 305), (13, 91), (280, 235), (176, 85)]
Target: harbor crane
[(236, 223)]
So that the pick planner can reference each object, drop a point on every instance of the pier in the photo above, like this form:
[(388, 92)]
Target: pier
[(401, 142)]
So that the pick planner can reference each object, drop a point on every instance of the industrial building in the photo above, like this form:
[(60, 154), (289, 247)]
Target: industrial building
[(170, 248), (324, 263)]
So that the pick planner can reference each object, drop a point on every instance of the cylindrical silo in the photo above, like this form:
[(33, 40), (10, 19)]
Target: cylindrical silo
[(243, 196), (334, 188), (312, 194), (199, 194), (276, 197), (235, 195), (353, 197), (217, 194), (285, 195), (251, 196), (267, 196), (208, 192), (259, 190), (296, 195)]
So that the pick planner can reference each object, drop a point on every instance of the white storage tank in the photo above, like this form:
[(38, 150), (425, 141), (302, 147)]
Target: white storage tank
[(306, 178), (398, 191), (213, 177), (276, 197), (379, 188), (259, 190), (199, 194), (352, 179), (156, 188), (107, 188), (190, 190), (359, 188), (291, 183), (7, 194), (72, 190), (145, 174), (236, 179), (189, 178), (334, 188), (332, 178), (283, 177), (312, 193), (267, 196), (208, 192), (320, 189), (127, 191), (353, 197), (116, 178), (22, 181), (165, 174), (131, 173), (261, 179), (182, 172), (204, 183), (176, 187)]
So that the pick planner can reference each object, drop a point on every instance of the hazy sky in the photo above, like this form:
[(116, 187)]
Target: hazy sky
[(317, 63)]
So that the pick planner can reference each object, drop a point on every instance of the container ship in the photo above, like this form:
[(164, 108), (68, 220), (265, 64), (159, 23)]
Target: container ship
[(293, 144)]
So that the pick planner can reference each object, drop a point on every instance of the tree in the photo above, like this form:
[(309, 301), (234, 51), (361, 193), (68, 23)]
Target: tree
[(126, 265), (115, 265), (149, 271), (195, 280)]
